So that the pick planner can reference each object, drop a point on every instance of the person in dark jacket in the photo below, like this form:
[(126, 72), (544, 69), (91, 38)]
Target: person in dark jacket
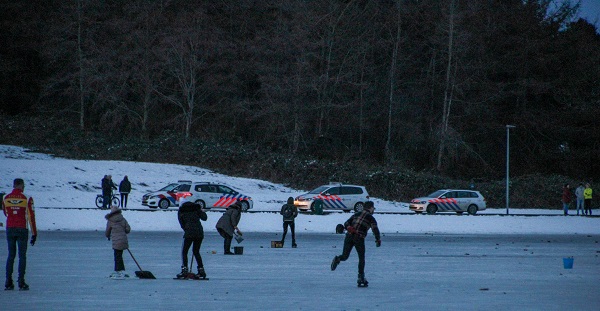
[(567, 197), (124, 190), (357, 227), (107, 188), (189, 216), (227, 225), (289, 211), (117, 229)]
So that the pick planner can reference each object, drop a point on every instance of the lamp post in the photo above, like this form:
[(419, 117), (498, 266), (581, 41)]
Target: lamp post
[(508, 127)]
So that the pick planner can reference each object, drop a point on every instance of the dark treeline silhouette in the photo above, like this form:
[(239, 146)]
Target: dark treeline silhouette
[(425, 85)]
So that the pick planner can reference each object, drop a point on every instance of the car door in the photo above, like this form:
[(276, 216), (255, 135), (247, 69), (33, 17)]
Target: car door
[(225, 196), (331, 198), (463, 199), (350, 196), (448, 201)]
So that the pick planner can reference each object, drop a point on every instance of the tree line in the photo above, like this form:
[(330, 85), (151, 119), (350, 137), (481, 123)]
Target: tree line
[(426, 85)]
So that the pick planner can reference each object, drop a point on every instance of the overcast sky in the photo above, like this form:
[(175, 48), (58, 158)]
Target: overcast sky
[(590, 10)]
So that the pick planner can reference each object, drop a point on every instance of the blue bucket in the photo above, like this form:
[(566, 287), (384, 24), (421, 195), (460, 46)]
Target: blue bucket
[(568, 262)]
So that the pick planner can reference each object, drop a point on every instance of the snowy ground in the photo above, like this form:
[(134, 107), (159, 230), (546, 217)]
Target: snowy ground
[(426, 261)]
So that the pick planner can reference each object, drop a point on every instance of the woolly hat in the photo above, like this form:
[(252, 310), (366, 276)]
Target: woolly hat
[(114, 209)]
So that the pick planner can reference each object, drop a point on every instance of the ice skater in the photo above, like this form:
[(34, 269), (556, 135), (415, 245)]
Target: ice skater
[(18, 209), (357, 227), (117, 229), (189, 216), (227, 225), (289, 211)]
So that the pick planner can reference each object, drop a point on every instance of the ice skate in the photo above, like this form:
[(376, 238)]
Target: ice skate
[(334, 263), (362, 282), (23, 285), (201, 275), (9, 285), (183, 274)]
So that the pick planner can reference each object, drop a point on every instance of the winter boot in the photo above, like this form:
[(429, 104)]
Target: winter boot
[(362, 282), (184, 272), (294, 245), (335, 262), (9, 285), (201, 273), (23, 285)]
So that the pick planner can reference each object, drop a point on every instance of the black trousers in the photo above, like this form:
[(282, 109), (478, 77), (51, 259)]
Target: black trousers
[(354, 241), (195, 251), (119, 264), (124, 199), (292, 226), (227, 242), (587, 206)]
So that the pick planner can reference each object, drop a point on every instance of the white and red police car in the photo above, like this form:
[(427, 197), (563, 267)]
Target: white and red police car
[(449, 200), (334, 196)]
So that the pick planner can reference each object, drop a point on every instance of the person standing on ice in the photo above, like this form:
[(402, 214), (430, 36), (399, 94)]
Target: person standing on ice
[(227, 225), (18, 209), (567, 197), (289, 211), (189, 216), (357, 227), (117, 229), (587, 198), (579, 198)]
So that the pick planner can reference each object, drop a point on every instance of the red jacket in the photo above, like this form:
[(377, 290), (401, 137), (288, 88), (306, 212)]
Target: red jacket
[(567, 196), (18, 209)]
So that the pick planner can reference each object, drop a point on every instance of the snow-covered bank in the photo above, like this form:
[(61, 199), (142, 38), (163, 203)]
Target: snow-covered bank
[(58, 182)]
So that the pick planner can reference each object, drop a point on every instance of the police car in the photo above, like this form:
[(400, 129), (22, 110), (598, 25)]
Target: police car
[(449, 200), (211, 195), (334, 196), (165, 197)]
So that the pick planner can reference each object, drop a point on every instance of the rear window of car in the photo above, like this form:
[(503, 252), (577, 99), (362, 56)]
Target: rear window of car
[(351, 190)]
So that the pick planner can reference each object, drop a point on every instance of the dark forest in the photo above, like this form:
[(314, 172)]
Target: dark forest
[(368, 87)]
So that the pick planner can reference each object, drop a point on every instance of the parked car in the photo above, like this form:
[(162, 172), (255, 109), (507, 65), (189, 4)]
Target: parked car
[(211, 195), (164, 197), (449, 200), (334, 196)]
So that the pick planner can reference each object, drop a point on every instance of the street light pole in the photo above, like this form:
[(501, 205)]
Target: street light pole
[(508, 127)]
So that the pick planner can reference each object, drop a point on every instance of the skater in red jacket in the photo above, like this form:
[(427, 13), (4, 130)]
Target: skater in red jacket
[(18, 209)]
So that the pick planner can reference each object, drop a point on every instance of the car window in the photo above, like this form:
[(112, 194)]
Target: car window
[(318, 190), (333, 191), (451, 194), (169, 187), (183, 188), (351, 190), (201, 188), (224, 189), (436, 194)]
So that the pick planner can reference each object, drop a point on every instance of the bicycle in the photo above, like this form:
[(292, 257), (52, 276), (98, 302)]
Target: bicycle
[(113, 202)]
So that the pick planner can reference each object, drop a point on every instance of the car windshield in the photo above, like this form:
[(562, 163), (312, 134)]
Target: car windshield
[(319, 190), (170, 187), (436, 194)]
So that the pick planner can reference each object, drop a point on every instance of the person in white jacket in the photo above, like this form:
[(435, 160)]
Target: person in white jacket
[(579, 196)]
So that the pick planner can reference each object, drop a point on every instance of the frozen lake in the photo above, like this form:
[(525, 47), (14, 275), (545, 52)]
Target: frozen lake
[(67, 270)]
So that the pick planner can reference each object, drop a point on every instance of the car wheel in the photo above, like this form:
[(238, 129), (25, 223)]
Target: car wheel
[(245, 206), (163, 203), (312, 207), (201, 203), (432, 209), (358, 207), (472, 209)]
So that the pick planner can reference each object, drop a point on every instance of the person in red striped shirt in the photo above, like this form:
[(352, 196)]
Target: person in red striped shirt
[(18, 209)]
